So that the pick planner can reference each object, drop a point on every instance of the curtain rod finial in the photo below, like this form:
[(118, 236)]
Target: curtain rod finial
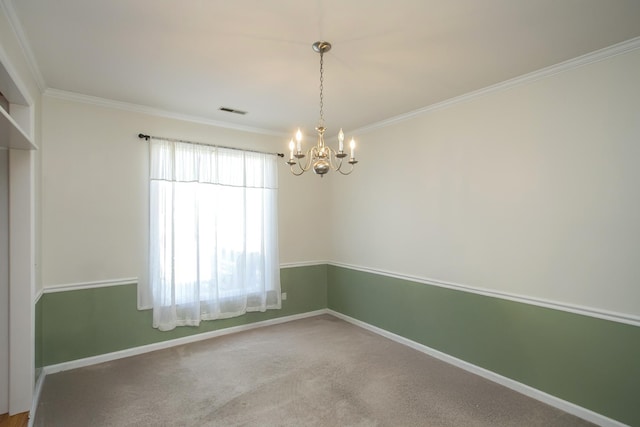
[(141, 135)]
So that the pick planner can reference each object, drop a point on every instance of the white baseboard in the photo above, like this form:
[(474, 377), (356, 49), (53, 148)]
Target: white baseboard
[(134, 351), (94, 360), (556, 402), (36, 398)]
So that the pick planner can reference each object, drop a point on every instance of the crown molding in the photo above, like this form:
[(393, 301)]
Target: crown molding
[(143, 109), (16, 26), (589, 58)]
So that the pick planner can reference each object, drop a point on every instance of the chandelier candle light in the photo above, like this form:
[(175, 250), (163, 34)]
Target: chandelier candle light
[(322, 157)]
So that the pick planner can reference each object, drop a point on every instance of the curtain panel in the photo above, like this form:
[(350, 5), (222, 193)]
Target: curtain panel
[(213, 237)]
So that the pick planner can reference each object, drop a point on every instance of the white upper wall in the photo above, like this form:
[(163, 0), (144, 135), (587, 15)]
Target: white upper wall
[(530, 191), (95, 191)]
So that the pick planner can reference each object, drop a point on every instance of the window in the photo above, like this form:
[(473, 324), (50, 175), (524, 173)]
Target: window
[(213, 249)]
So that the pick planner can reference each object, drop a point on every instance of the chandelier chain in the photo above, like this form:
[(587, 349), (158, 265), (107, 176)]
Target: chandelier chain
[(321, 89)]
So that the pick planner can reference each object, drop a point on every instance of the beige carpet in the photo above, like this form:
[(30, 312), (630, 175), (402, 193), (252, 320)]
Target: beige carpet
[(319, 371)]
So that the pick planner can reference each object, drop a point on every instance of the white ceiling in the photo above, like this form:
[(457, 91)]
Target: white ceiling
[(389, 57)]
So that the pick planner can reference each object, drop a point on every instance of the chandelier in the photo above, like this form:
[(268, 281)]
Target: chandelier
[(321, 157)]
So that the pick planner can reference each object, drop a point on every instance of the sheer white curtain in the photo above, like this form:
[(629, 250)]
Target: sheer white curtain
[(213, 249)]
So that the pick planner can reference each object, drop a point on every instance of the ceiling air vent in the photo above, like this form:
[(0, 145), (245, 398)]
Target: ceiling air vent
[(232, 110)]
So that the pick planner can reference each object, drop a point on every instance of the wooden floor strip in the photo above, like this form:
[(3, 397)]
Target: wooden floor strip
[(17, 420)]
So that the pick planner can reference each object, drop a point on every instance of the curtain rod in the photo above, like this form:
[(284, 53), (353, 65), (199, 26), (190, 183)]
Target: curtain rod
[(148, 137)]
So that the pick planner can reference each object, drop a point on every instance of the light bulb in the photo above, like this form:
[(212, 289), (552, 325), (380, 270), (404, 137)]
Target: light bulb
[(299, 139)]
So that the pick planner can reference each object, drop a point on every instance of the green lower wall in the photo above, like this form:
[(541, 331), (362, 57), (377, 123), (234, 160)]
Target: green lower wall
[(591, 362), (89, 322)]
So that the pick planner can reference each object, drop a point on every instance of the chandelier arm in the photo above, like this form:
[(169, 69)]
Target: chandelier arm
[(332, 156), (294, 172), (309, 155), (302, 169), (312, 154), (352, 162), (345, 173), (338, 159)]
